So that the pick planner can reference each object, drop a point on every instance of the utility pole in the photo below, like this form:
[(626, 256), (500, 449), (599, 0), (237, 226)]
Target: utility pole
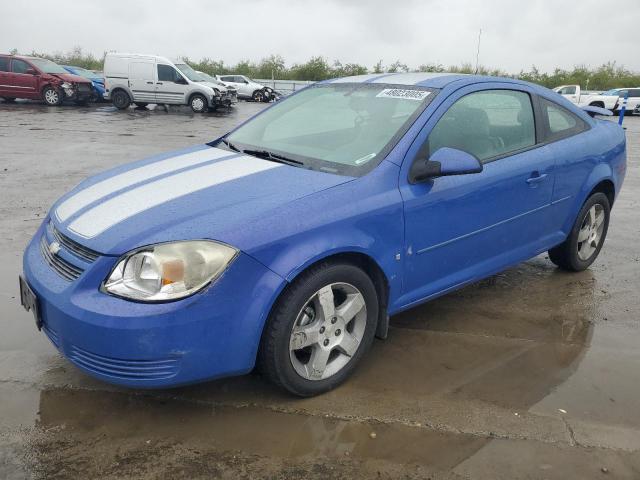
[(478, 51)]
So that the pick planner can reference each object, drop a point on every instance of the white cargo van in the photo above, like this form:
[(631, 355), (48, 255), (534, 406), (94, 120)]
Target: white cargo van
[(144, 79)]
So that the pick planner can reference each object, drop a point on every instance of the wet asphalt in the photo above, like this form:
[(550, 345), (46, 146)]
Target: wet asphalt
[(532, 373)]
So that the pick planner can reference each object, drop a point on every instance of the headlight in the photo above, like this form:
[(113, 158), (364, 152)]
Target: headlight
[(66, 85), (168, 271), (216, 92)]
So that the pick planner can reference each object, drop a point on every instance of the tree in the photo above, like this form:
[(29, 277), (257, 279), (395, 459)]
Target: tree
[(397, 66)]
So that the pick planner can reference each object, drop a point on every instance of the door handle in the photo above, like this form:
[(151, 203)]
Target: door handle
[(150, 83), (158, 83), (536, 178)]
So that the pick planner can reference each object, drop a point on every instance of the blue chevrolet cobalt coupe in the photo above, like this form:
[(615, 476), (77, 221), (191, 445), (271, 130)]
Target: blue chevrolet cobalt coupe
[(289, 241)]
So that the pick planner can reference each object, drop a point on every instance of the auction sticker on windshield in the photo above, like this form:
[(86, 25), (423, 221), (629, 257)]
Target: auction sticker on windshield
[(401, 93)]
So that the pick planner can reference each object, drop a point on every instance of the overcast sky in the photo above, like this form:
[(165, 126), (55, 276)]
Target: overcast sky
[(515, 34)]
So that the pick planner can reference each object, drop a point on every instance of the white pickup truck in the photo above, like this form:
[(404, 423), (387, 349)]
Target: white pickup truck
[(583, 98)]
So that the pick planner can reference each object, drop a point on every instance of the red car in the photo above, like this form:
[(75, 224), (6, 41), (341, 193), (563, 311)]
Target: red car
[(40, 79)]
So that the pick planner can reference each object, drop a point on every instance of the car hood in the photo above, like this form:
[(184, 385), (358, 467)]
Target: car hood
[(200, 192), (221, 88), (70, 77)]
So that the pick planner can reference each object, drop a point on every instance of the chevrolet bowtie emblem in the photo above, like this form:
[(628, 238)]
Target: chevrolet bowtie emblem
[(54, 247)]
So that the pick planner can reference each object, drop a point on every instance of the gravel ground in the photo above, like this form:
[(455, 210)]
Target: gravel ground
[(532, 373)]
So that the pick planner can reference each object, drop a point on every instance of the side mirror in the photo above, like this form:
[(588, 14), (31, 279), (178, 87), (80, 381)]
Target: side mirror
[(31, 71), (444, 162)]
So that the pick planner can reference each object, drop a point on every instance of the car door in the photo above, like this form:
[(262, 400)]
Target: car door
[(21, 84), (4, 75), (234, 81), (142, 79), (171, 87), (570, 92), (462, 228), (634, 99)]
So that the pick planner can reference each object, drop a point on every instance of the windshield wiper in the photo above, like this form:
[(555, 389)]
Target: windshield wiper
[(274, 157), (230, 145)]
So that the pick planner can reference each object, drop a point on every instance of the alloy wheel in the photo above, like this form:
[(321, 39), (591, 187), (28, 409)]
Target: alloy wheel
[(51, 96), (590, 232), (328, 331)]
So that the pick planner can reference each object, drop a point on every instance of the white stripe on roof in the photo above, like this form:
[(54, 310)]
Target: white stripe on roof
[(392, 78)]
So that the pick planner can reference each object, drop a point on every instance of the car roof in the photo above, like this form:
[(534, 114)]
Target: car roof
[(23, 57), (422, 79)]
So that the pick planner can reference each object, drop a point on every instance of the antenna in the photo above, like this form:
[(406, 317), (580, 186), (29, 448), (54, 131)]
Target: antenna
[(478, 52)]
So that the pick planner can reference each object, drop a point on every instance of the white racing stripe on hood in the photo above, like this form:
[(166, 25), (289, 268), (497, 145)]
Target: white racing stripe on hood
[(119, 208), (101, 189)]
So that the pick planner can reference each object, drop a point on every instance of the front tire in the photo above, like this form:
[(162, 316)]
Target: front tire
[(141, 104), (319, 329), (52, 96), (258, 96), (198, 103), (121, 99), (587, 236), (9, 99)]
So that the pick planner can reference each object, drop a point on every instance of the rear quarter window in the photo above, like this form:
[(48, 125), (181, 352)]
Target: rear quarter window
[(560, 122), (4, 64)]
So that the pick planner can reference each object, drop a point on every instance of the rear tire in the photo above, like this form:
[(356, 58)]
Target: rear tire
[(587, 236), (198, 103), (9, 99), (313, 340), (52, 96), (121, 99)]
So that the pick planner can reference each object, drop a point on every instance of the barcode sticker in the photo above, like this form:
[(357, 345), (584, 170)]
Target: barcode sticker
[(418, 95)]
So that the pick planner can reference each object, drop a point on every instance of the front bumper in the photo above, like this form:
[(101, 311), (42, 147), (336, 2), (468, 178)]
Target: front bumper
[(212, 334), (225, 99), (78, 92)]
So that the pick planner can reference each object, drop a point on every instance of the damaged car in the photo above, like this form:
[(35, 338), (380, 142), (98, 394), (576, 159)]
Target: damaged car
[(288, 242), (37, 78)]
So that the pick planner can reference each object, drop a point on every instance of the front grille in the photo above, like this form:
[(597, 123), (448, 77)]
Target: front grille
[(75, 248), (63, 268), (84, 87), (124, 369)]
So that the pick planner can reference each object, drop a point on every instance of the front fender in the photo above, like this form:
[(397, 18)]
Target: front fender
[(363, 216)]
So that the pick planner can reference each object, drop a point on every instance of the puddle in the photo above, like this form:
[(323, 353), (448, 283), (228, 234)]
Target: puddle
[(252, 430)]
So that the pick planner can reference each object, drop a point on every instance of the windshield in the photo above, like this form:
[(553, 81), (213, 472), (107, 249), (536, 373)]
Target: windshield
[(341, 128), (610, 93), (205, 77), (47, 66), (189, 72)]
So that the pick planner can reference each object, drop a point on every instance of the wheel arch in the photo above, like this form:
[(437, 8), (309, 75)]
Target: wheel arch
[(607, 187), (46, 85), (193, 94), (121, 89), (362, 260), (601, 179)]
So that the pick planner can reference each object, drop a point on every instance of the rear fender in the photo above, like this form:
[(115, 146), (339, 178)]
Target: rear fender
[(601, 172)]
